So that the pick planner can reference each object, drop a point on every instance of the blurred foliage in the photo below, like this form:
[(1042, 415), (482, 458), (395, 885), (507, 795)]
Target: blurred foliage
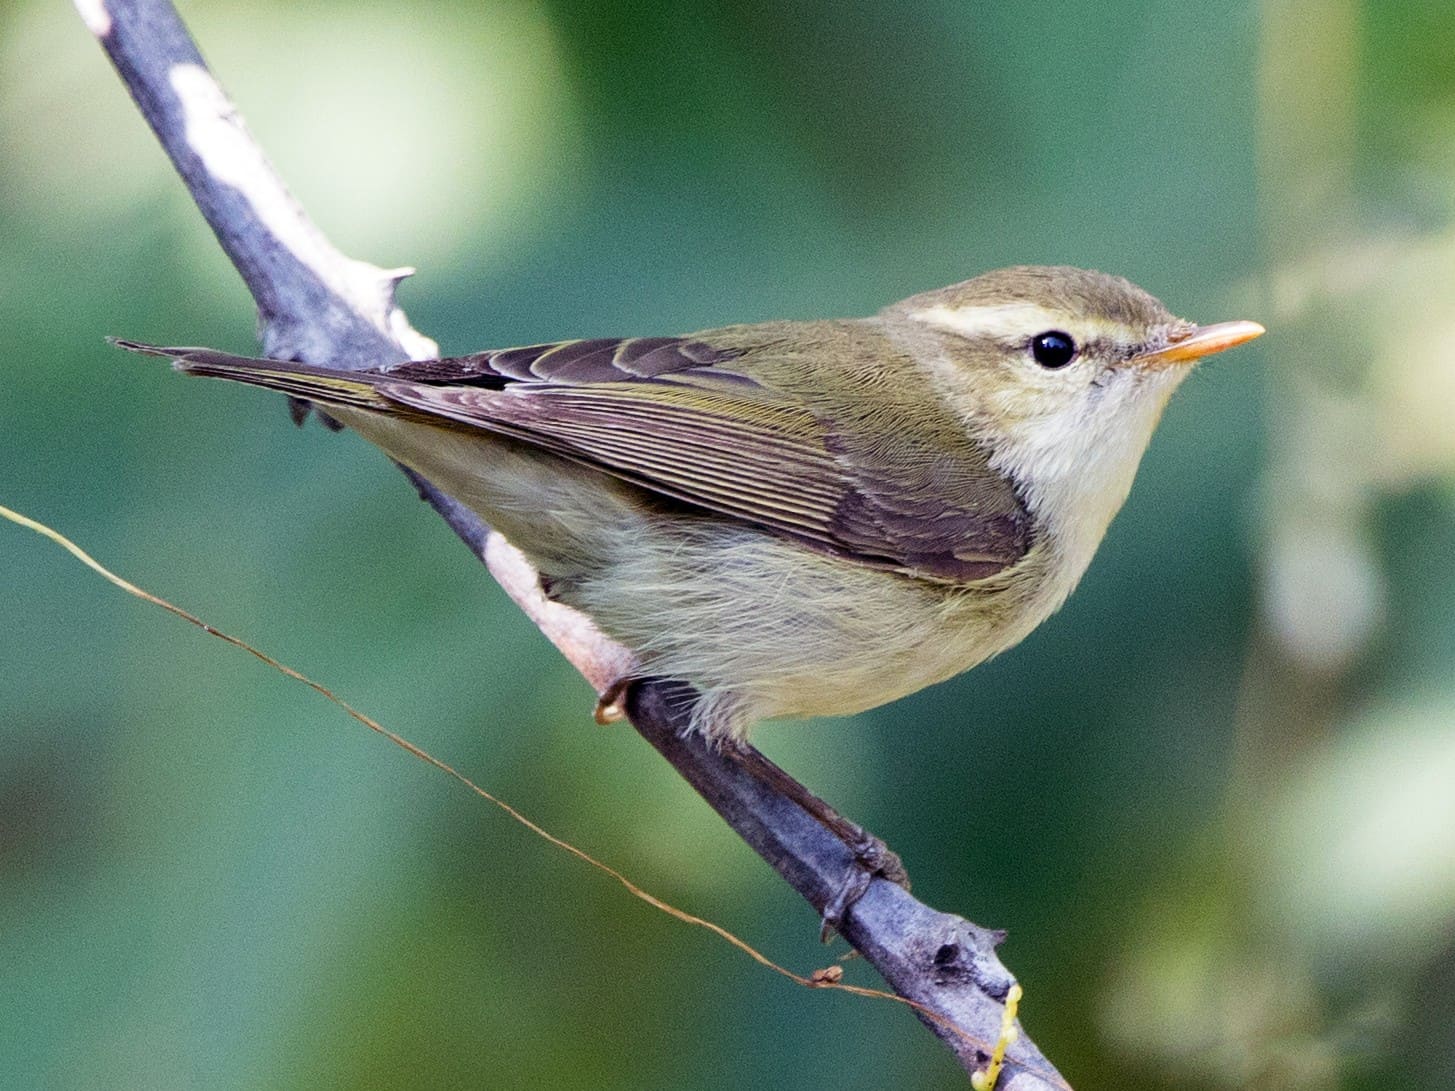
[(1211, 800)]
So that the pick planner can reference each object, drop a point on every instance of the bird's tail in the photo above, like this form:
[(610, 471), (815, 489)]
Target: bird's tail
[(315, 384)]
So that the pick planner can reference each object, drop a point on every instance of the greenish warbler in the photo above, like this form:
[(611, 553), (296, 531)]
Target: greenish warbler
[(797, 518)]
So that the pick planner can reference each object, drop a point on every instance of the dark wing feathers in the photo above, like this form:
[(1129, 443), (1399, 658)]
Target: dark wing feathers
[(745, 428), (575, 363), (692, 452), (945, 510), (674, 416)]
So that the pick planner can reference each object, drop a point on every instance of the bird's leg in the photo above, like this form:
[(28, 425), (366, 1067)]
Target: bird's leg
[(872, 855), (667, 729)]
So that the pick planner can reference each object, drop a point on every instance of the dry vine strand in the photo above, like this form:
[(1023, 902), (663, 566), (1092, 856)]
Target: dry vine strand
[(816, 980)]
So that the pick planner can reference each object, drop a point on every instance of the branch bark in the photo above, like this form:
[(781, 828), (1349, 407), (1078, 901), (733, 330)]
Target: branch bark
[(319, 306)]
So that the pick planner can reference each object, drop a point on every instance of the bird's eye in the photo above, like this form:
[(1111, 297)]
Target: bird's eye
[(1053, 349)]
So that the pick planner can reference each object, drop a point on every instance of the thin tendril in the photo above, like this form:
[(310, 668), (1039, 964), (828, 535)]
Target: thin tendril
[(820, 979)]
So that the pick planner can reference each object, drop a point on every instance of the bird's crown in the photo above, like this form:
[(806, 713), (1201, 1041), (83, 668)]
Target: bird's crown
[(1023, 299)]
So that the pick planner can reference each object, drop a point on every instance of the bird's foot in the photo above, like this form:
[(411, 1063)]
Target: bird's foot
[(611, 705), (872, 858), (878, 858), (869, 857)]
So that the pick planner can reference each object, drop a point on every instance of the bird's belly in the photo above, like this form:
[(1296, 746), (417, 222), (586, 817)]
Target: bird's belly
[(763, 626), (768, 628)]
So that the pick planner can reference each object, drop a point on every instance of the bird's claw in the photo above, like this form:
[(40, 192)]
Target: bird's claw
[(873, 859), (611, 705), (855, 885), (877, 858)]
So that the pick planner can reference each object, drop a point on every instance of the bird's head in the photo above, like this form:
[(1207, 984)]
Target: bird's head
[(1063, 373), (1056, 342)]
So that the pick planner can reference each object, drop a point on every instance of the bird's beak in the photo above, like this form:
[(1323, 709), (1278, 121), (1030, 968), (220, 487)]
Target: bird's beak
[(1200, 341)]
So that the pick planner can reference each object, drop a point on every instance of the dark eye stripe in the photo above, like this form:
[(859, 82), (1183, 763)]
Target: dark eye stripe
[(1104, 348)]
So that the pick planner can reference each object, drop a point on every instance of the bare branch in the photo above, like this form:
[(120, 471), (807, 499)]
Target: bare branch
[(319, 306)]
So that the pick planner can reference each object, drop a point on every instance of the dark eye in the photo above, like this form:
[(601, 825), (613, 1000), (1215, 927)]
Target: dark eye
[(1053, 348)]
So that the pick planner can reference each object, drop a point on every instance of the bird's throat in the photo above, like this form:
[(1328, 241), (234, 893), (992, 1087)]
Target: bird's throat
[(1075, 473)]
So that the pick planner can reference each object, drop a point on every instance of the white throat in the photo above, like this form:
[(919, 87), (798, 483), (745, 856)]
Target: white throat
[(1076, 466)]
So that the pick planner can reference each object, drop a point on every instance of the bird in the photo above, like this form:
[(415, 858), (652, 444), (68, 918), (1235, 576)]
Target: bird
[(795, 518)]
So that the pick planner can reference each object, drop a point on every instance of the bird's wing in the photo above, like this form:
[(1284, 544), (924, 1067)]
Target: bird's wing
[(695, 419), (730, 421)]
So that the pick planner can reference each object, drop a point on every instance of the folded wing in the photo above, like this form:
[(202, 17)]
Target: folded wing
[(701, 421)]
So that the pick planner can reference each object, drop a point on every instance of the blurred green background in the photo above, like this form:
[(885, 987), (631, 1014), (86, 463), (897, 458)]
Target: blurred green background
[(1213, 800)]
